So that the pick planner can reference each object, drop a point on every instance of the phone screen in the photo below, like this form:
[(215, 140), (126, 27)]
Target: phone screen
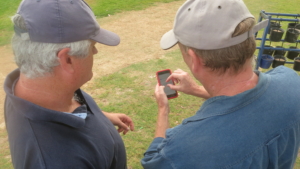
[(162, 77)]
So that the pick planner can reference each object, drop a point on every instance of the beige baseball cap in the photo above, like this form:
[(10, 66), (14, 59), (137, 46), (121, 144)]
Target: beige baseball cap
[(209, 24)]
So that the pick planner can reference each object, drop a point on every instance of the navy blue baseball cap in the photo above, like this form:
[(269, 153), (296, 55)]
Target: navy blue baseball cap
[(62, 21)]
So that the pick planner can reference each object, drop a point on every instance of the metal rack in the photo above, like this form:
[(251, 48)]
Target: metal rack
[(270, 17)]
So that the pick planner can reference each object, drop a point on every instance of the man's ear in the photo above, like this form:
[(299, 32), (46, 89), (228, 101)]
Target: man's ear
[(197, 62), (65, 60)]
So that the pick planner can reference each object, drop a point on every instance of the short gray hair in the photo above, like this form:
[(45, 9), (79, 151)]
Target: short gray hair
[(37, 59)]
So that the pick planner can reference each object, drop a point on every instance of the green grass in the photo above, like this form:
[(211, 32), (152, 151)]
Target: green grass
[(7, 9), (5, 162), (131, 89), (101, 9), (109, 7)]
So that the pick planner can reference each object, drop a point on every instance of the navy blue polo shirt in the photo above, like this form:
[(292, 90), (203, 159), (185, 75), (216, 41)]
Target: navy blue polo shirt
[(42, 138)]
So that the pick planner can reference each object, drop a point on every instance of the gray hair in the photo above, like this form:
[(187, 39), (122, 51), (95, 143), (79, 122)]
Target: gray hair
[(37, 59)]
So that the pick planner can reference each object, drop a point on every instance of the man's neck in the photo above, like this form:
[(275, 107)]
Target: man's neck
[(229, 84), (46, 92)]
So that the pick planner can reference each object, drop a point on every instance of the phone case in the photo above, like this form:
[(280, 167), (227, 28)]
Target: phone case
[(157, 77)]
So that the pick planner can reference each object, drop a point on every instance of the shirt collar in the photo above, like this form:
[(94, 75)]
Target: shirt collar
[(80, 112), (35, 112)]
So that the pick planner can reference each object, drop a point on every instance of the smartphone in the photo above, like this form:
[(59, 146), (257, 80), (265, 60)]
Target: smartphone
[(162, 76)]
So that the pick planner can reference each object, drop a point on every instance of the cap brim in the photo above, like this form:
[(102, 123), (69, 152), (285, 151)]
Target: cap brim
[(260, 25), (106, 37), (168, 40)]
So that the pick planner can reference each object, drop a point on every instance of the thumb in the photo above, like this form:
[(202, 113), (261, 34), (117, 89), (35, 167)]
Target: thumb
[(173, 87)]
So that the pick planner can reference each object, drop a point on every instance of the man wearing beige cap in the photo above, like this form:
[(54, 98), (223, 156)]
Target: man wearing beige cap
[(249, 120), (51, 122)]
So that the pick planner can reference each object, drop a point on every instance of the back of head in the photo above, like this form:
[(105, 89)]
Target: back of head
[(37, 59), (233, 57), (44, 27), (220, 31)]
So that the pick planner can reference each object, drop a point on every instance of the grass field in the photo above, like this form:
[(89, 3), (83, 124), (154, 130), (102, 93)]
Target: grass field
[(100, 8), (130, 90)]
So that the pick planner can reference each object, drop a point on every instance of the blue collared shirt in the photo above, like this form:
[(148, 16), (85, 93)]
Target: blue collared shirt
[(80, 112), (256, 129)]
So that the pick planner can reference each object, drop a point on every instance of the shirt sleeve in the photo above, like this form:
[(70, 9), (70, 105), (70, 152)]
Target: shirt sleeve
[(154, 157)]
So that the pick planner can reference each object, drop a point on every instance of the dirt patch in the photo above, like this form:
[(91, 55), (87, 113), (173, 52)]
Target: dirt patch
[(140, 33)]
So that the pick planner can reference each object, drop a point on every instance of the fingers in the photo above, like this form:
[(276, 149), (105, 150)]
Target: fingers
[(126, 124), (169, 78), (159, 89), (175, 73), (122, 121), (173, 87), (122, 127), (125, 131), (179, 71), (160, 96), (156, 87), (159, 92), (177, 76), (129, 123), (131, 126), (120, 130)]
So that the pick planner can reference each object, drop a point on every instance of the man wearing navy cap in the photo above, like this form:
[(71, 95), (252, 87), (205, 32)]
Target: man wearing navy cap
[(51, 122), (249, 120)]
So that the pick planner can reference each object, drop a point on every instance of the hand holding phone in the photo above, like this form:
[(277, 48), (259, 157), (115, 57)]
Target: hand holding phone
[(162, 76)]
